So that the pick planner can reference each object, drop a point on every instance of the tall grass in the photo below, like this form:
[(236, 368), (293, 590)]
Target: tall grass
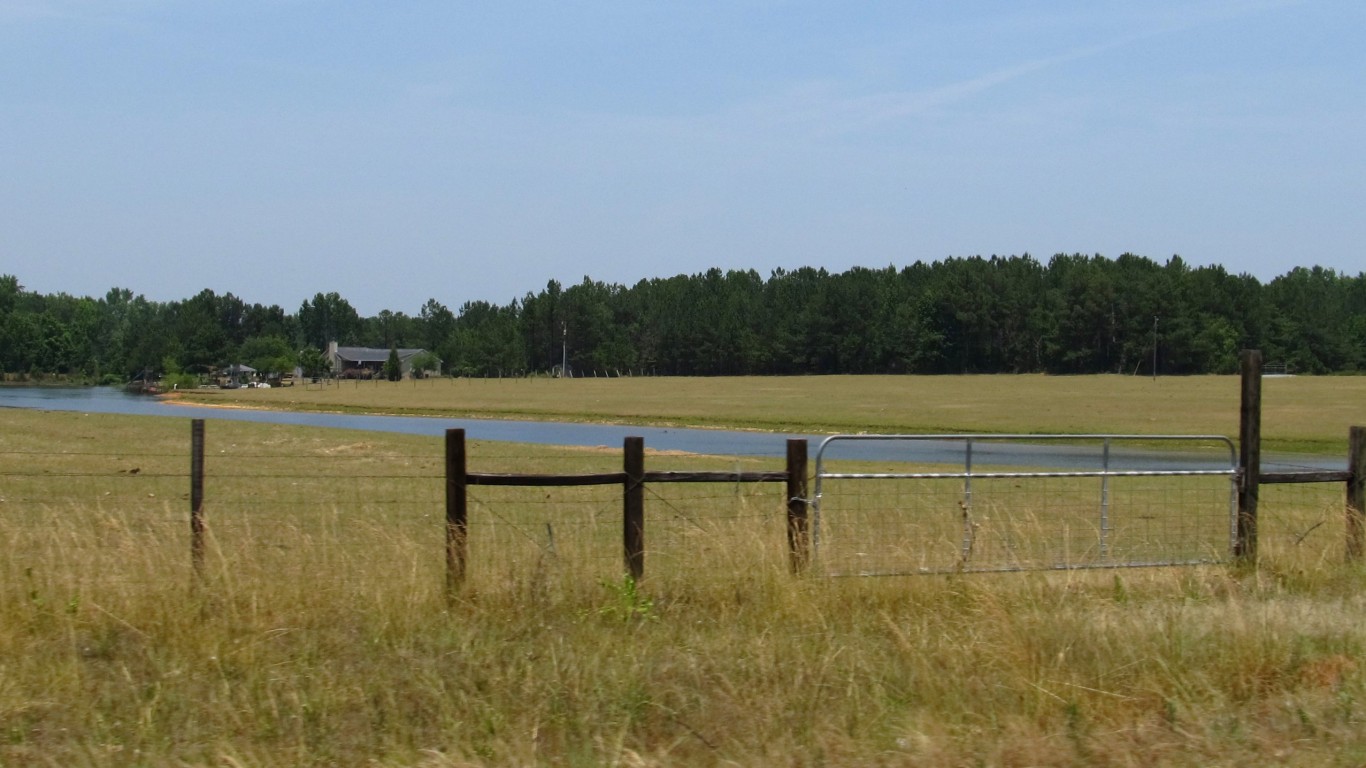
[(321, 635)]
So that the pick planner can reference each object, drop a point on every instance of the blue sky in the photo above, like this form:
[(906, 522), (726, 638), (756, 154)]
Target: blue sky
[(463, 151)]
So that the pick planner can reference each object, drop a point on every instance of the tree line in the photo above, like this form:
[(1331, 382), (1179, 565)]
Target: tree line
[(1073, 314)]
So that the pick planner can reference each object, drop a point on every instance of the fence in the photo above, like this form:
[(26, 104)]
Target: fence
[(1096, 508), (935, 521), (633, 480), (281, 508), (1251, 477), (295, 522)]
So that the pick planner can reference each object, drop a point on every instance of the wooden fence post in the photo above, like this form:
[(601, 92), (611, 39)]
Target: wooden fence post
[(633, 517), (1356, 492), (798, 539), (197, 497), (457, 529), (1249, 456)]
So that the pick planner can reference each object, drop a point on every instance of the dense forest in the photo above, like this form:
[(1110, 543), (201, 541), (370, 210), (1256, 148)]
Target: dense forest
[(1074, 314)]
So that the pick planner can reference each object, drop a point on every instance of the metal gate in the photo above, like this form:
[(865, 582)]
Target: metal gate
[(899, 504)]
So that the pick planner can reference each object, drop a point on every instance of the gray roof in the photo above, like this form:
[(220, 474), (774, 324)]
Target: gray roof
[(373, 355)]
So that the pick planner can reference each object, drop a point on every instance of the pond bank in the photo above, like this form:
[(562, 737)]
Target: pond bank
[(715, 442)]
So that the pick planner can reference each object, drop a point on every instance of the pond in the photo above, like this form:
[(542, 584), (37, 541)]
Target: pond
[(115, 400), (717, 442)]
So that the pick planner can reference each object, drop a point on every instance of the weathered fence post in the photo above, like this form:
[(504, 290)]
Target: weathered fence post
[(1356, 492), (1249, 456), (798, 539), (457, 530), (197, 497), (633, 517)]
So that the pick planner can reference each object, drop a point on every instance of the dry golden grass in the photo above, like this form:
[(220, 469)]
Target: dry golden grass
[(321, 635), (1304, 413)]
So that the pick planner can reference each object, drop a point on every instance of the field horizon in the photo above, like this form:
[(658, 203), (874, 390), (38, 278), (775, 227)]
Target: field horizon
[(1301, 414)]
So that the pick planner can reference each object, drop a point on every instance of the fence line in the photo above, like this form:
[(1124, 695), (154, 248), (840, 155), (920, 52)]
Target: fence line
[(159, 471), (1252, 478), (633, 479), (1123, 511)]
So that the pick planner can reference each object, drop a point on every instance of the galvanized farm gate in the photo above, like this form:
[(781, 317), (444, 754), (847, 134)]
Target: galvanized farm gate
[(947, 503)]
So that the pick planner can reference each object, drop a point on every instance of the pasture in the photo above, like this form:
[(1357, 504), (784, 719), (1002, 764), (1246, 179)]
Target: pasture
[(320, 633), (1300, 414)]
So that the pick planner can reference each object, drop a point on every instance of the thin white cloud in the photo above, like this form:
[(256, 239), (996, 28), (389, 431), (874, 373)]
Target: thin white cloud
[(819, 110), (84, 11), (119, 17), (18, 12)]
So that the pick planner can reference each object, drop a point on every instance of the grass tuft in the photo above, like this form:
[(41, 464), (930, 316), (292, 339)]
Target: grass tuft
[(320, 633)]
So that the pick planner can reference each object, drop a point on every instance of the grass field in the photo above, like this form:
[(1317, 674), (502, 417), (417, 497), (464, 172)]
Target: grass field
[(1300, 414), (320, 633)]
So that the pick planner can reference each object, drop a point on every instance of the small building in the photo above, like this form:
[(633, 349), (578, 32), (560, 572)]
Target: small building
[(368, 362), (236, 375)]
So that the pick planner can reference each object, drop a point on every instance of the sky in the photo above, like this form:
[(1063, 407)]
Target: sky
[(460, 151)]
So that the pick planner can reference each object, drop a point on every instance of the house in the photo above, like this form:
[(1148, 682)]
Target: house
[(368, 362), (236, 375)]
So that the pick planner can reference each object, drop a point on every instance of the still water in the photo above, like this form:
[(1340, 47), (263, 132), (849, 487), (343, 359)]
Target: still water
[(704, 441), (115, 400)]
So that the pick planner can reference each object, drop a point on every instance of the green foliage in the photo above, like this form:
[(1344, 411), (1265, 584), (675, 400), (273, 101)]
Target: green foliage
[(173, 377), (328, 318), (423, 362), (1073, 314), (393, 367), (487, 341), (626, 602), (269, 355), (313, 362)]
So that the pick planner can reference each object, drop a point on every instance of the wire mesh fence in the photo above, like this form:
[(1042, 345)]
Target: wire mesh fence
[(122, 481), (1303, 520), (317, 514), (348, 511), (895, 526), (87, 519), (519, 534), (692, 532), (1095, 507), (697, 532)]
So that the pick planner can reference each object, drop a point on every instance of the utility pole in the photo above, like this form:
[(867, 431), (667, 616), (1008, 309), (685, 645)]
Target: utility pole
[(1154, 347), (564, 350)]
